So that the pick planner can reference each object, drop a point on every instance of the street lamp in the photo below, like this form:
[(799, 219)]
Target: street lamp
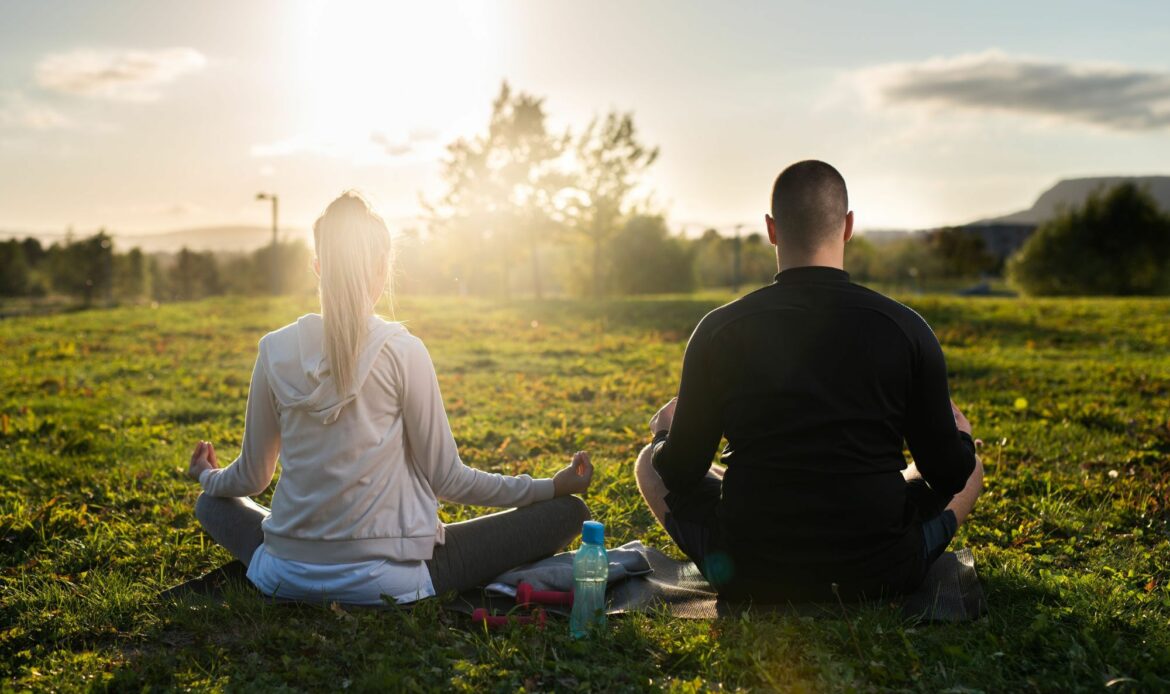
[(737, 260), (275, 280)]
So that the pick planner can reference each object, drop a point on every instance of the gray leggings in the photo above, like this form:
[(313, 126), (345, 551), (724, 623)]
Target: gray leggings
[(474, 551)]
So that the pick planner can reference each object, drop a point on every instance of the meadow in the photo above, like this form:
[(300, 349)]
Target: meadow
[(99, 412)]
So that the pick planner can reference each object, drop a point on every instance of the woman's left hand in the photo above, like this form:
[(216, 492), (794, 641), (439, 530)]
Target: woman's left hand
[(202, 459), (575, 478)]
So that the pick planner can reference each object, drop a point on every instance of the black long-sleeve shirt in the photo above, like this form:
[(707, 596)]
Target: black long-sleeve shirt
[(815, 382)]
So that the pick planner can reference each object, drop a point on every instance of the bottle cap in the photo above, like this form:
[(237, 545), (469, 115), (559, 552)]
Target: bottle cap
[(593, 533)]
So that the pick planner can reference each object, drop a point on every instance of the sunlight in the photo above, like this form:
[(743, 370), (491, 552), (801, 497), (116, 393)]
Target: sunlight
[(386, 80)]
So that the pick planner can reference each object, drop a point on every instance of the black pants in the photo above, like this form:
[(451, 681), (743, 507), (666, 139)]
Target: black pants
[(692, 521)]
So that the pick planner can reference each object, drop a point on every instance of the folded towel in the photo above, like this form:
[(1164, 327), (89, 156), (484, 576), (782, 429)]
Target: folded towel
[(556, 572)]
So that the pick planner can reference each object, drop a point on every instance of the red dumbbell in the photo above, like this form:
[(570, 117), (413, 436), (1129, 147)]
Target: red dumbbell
[(481, 616), (525, 595)]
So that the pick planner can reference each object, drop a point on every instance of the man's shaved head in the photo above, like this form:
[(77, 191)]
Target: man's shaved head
[(809, 203)]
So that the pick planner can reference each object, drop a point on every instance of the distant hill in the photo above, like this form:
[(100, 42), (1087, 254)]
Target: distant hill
[(221, 239), (1072, 192), (226, 239)]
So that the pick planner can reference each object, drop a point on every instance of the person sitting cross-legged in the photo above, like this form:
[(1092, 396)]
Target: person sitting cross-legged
[(349, 404), (816, 383)]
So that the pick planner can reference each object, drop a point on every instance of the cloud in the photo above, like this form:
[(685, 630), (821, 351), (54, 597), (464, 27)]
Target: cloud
[(117, 75), (18, 111), (375, 148), (393, 148), (415, 140), (1114, 97)]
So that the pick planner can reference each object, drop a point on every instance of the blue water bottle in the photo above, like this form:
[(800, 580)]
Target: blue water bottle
[(590, 576)]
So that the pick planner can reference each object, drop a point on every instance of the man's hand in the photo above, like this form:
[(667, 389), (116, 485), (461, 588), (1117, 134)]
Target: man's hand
[(575, 478), (960, 419), (202, 459), (663, 417)]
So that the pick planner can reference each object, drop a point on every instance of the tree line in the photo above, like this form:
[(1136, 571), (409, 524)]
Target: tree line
[(92, 271), (641, 256), (1118, 242)]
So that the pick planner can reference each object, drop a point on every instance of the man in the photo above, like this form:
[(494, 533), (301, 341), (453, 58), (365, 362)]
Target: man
[(816, 383)]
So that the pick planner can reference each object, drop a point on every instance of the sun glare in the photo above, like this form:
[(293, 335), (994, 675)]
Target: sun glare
[(381, 78)]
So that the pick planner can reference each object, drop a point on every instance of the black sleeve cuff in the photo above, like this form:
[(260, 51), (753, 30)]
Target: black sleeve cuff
[(967, 441), (660, 436)]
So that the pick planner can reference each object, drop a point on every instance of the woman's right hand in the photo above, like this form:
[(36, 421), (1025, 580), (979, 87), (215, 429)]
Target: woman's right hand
[(202, 459), (575, 478)]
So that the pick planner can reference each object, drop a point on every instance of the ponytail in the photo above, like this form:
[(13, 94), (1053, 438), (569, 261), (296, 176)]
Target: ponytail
[(353, 248)]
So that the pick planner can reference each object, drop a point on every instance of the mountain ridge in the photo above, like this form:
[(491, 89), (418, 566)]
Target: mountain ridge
[(1072, 192)]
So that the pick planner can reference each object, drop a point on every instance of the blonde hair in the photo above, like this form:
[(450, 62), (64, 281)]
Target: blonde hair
[(353, 248)]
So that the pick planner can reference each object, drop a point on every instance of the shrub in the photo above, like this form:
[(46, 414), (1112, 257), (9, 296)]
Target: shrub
[(1117, 243)]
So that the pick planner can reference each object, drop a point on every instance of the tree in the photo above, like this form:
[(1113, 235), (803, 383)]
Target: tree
[(131, 275), (961, 252), (294, 263), (611, 161), (14, 269), (646, 259), (713, 259), (83, 268), (528, 174), (502, 187), (185, 282), (1117, 243), (860, 258), (34, 252), (759, 259)]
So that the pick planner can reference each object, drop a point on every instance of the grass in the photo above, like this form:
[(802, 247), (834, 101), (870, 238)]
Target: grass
[(99, 411)]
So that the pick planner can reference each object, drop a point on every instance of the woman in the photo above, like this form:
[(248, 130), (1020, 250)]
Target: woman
[(351, 404)]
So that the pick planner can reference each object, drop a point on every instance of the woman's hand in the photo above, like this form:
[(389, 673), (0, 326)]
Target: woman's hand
[(575, 478), (202, 459), (663, 417)]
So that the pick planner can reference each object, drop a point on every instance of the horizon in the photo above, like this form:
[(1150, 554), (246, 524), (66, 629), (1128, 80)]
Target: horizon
[(100, 127), (399, 225)]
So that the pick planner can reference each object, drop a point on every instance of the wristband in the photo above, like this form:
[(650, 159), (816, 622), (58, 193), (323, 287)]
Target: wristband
[(660, 436)]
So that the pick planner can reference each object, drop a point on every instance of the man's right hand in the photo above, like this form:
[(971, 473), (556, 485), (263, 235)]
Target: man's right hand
[(662, 418), (960, 419)]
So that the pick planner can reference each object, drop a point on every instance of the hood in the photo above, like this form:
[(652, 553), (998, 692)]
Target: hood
[(298, 371)]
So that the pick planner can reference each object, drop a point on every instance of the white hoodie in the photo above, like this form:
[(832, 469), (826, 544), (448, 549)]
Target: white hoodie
[(362, 472)]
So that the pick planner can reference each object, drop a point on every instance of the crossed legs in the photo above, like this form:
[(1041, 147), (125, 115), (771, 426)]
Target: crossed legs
[(650, 484), (654, 491), (962, 503), (475, 551)]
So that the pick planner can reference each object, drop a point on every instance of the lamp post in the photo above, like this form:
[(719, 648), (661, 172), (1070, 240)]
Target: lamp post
[(737, 261), (275, 277)]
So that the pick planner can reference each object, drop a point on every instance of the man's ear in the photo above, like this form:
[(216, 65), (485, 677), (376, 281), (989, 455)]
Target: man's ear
[(848, 226), (771, 224), (317, 268)]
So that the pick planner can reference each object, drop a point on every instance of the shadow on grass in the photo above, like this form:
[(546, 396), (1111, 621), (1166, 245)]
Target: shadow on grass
[(1046, 631), (238, 640)]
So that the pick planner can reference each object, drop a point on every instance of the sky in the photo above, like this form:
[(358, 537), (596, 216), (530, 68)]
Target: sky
[(152, 116)]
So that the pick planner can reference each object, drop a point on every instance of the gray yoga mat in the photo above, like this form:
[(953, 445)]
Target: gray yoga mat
[(950, 593)]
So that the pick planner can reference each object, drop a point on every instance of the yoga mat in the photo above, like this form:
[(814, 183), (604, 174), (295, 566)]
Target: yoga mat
[(950, 593)]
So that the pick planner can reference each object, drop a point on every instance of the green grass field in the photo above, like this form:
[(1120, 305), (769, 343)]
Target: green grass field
[(99, 411)]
